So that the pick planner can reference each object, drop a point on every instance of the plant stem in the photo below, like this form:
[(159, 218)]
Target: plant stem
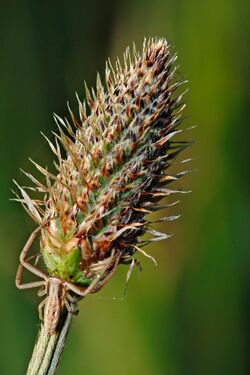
[(60, 345), (48, 349)]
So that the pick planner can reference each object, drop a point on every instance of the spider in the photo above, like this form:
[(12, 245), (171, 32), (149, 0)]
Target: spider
[(57, 289)]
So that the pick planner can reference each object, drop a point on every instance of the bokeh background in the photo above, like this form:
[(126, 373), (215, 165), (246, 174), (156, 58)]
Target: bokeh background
[(191, 314)]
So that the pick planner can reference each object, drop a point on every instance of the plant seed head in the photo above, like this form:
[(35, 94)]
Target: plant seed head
[(115, 169)]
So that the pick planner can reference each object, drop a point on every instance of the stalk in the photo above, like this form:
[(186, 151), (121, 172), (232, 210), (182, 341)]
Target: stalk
[(48, 349)]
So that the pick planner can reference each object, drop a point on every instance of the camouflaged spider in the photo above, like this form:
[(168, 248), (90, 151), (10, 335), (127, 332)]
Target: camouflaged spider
[(57, 289)]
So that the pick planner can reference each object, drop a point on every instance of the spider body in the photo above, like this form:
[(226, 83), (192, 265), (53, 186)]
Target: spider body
[(53, 304)]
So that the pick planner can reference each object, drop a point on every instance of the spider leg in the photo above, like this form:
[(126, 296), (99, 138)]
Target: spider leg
[(25, 251), (40, 308), (82, 291), (34, 256), (24, 262), (71, 309), (20, 285), (44, 291), (70, 298), (108, 277)]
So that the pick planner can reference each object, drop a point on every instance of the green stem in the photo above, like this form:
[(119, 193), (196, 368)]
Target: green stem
[(60, 345), (48, 349)]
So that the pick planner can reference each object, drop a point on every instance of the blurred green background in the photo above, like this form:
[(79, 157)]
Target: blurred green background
[(190, 315)]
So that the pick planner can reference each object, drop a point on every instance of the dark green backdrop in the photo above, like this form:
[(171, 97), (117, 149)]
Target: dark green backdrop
[(189, 315)]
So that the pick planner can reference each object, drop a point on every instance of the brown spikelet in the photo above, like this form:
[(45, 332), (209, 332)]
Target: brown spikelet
[(115, 169)]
